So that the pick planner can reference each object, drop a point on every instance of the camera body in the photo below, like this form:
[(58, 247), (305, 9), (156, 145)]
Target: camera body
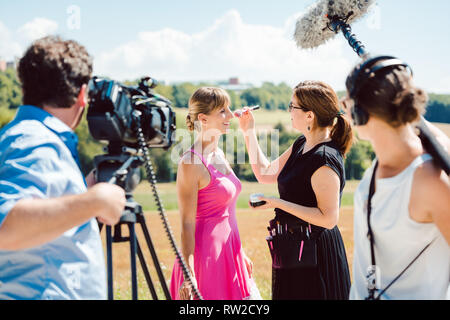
[(117, 111)]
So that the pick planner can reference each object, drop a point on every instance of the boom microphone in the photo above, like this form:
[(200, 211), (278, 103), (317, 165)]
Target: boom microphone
[(325, 18)]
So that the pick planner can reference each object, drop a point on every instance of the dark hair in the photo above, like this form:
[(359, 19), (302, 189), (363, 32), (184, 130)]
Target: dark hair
[(52, 72), (320, 98), (390, 95)]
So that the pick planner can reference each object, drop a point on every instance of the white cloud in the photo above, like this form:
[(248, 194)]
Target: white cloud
[(37, 28), (230, 47), (9, 48), (14, 42)]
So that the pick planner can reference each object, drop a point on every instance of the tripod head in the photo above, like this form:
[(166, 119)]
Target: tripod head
[(120, 165)]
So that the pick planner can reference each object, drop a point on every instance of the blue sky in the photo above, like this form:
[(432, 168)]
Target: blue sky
[(214, 40)]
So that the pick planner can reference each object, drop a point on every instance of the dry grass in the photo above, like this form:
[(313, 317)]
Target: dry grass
[(445, 127), (252, 227)]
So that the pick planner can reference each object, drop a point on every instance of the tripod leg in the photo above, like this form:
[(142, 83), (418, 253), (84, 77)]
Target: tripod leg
[(109, 262), (134, 290), (148, 278), (141, 220)]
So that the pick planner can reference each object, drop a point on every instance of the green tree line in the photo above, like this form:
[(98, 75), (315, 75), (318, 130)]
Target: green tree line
[(269, 96)]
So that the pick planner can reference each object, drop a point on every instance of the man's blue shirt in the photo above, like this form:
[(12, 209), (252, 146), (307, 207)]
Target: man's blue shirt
[(39, 159)]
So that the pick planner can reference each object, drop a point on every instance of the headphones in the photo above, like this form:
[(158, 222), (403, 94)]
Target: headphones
[(358, 78)]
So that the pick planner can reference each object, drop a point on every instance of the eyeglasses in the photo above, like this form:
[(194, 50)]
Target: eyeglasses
[(291, 106)]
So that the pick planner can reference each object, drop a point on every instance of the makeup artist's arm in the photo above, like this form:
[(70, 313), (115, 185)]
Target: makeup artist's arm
[(326, 186), (266, 172)]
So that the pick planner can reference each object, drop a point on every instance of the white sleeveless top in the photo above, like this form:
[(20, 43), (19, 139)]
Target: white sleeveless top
[(398, 240)]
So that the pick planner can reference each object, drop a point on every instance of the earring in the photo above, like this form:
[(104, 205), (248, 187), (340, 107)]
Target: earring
[(309, 128)]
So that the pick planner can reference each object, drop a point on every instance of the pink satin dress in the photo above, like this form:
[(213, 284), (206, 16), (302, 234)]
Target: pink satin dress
[(219, 265)]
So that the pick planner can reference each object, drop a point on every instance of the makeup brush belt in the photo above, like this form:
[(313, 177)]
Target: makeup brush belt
[(291, 247)]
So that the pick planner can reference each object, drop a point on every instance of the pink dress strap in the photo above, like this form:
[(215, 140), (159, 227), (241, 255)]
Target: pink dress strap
[(208, 166), (198, 155)]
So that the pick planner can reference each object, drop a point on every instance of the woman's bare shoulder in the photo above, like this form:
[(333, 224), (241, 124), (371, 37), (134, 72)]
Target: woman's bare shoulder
[(191, 167), (430, 192)]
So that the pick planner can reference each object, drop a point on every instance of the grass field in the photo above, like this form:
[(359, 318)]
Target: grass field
[(445, 127), (265, 119), (252, 227)]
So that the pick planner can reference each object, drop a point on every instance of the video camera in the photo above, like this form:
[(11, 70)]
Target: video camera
[(132, 119), (116, 112)]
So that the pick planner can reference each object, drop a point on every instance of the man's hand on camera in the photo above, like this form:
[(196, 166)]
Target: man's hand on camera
[(110, 200)]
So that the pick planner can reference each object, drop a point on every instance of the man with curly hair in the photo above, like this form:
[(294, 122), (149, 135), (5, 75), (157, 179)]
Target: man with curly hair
[(50, 246)]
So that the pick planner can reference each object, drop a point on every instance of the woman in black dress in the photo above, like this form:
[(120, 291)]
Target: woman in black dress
[(310, 177)]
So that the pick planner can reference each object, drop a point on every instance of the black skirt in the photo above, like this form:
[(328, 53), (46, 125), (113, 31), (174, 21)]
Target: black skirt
[(330, 279)]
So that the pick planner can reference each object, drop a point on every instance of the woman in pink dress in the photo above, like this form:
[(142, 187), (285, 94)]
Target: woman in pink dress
[(207, 190)]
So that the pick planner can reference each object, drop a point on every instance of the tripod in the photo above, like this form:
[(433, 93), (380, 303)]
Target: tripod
[(123, 169)]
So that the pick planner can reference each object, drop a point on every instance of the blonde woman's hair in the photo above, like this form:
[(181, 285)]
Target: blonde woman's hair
[(205, 100)]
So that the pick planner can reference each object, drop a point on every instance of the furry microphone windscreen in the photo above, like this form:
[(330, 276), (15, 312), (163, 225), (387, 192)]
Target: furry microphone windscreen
[(311, 29)]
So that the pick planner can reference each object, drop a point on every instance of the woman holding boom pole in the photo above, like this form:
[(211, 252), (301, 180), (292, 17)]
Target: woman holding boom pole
[(403, 200)]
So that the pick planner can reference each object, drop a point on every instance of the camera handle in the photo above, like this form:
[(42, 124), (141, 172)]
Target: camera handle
[(152, 179)]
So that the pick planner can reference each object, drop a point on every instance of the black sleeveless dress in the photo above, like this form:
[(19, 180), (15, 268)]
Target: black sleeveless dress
[(330, 279)]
